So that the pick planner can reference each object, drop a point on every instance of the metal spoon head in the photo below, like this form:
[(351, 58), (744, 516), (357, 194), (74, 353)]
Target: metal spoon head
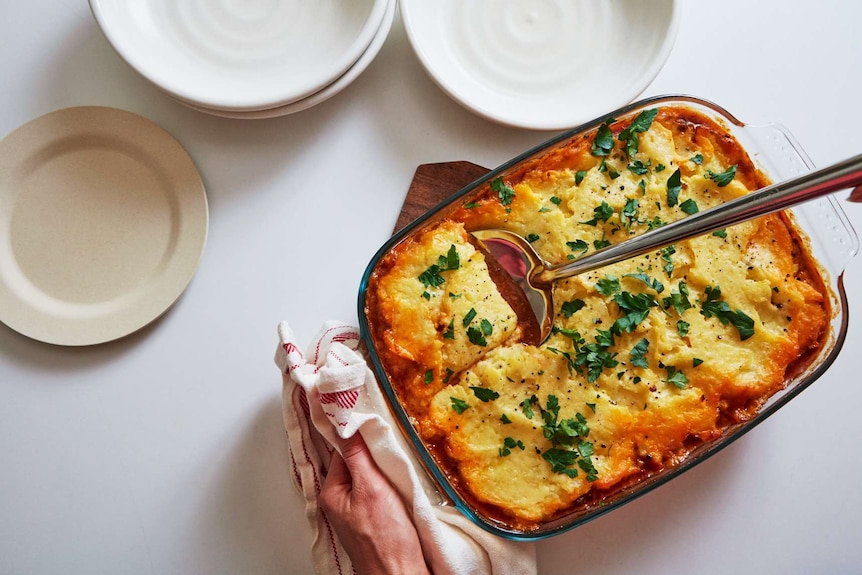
[(518, 265)]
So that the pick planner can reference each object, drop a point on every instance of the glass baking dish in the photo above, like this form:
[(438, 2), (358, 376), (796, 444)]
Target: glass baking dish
[(832, 242)]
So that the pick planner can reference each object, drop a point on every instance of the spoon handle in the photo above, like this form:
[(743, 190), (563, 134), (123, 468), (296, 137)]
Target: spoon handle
[(845, 174)]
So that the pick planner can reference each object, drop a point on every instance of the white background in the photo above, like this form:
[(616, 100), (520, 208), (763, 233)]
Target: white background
[(164, 452)]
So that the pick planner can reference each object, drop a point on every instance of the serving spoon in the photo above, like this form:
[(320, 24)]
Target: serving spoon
[(535, 278)]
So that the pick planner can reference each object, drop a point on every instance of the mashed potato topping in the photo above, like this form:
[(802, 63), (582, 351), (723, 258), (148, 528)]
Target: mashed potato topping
[(649, 356)]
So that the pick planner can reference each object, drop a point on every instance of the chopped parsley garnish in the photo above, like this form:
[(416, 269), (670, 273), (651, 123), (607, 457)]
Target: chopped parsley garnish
[(639, 168), (665, 254), (527, 406), (426, 295), (509, 444), (504, 192), (563, 434), (579, 177), (637, 353), (556, 201), (594, 356), (459, 405), (697, 159), (674, 187), (714, 306), (608, 285), (429, 376), (450, 331), (476, 337), (487, 327), (722, 178), (454, 295), (578, 246), (603, 143), (720, 233), (602, 243), (651, 282), (696, 361), (532, 237), (655, 223), (431, 277), (505, 419), (592, 407), (635, 307), (603, 213), (678, 300), (675, 377), (660, 168), (469, 317), (561, 461), (640, 124), (689, 206), (484, 394), (682, 328), (570, 307), (629, 213), (471, 205)]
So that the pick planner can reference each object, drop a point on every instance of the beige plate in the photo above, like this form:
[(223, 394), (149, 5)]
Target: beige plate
[(103, 218)]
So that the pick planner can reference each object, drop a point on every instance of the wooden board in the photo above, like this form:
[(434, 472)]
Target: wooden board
[(433, 183)]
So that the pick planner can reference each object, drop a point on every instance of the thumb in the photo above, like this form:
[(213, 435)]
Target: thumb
[(357, 457)]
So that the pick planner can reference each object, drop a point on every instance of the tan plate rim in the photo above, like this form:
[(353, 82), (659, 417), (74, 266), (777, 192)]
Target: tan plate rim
[(91, 324)]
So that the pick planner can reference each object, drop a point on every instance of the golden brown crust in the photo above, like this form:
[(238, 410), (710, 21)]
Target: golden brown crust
[(724, 320)]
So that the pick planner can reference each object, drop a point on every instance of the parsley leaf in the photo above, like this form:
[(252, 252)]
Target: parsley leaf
[(487, 327), (609, 285), (665, 256), (532, 237), (678, 300), (476, 337), (484, 394), (635, 307), (697, 159), (651, 282), (722, 178), (429, 376), (602, 243), (504, 192), (675, 377), (579, 177), (720, 233), (629, 213), (469, 317), (431, 277), (556, 201), (570, 307), (674, 186), (639, 168), (637, 353), (640, 124), (578, 246), (459, 405), (603, 213), (450, 331), (682, 328), (713, 306), (527, 406), (603, 143), (689, 206)]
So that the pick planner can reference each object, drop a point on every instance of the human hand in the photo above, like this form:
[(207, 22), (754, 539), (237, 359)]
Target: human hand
[(368, 515)]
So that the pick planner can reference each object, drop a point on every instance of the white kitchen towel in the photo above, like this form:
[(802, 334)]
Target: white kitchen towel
[(329, 393)]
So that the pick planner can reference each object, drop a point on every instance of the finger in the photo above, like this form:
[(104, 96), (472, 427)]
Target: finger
[(856, 194), (358, 458), (338, 473)]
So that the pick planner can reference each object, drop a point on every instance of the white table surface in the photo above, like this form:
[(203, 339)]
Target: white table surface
[(164, 452)]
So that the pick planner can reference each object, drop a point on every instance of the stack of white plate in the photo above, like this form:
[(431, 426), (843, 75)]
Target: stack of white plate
[(247, 58)]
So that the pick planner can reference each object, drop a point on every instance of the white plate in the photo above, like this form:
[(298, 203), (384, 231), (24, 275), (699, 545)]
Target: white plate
[(103, 218), (239, 54), (326, 93), (541, 64)]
